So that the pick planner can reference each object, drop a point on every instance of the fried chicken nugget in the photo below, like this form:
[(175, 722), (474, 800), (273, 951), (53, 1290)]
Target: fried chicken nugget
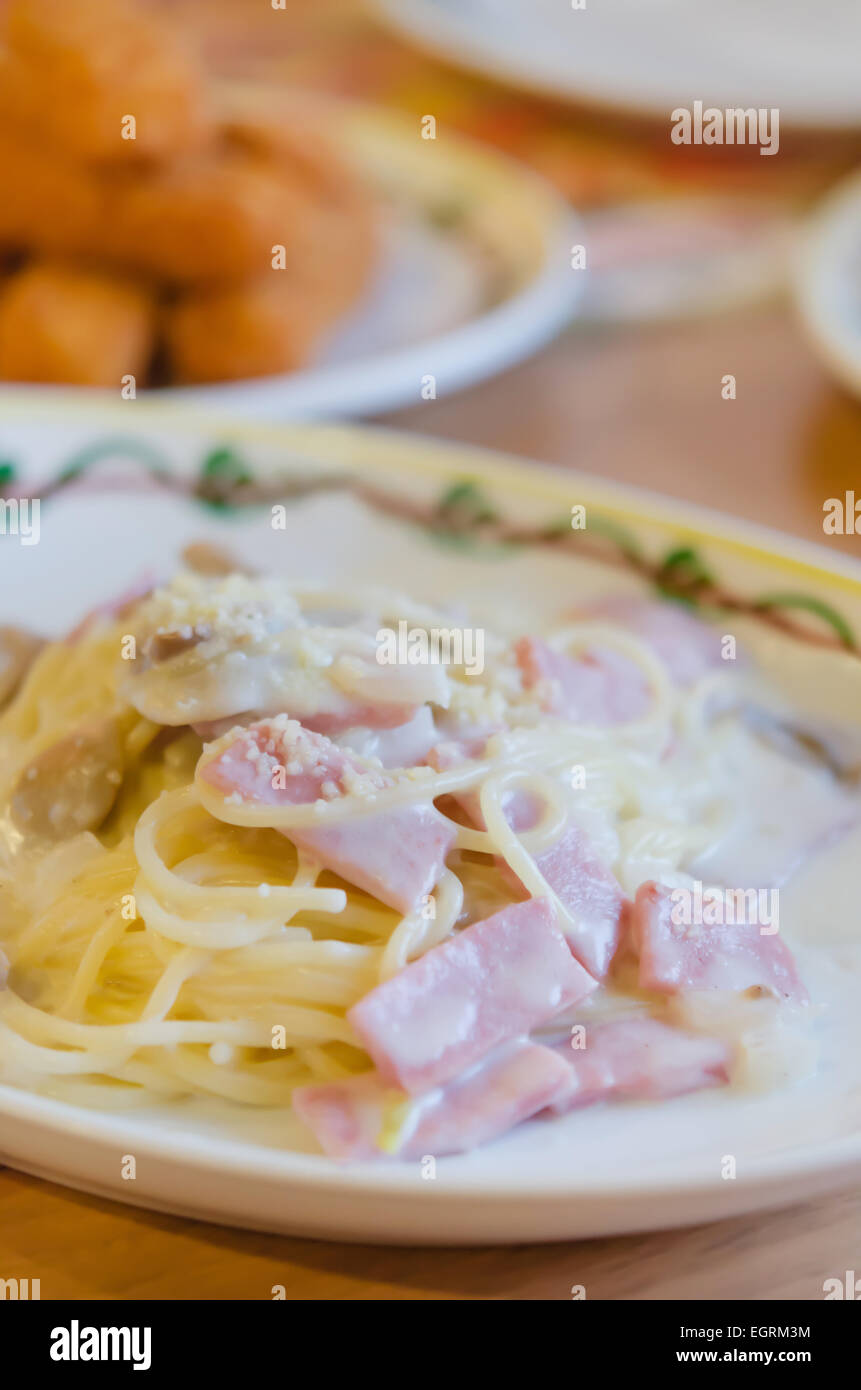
[(73, 326), (77, 69), (46, 203), (209, 221), (337, 254), (259, 329), (290, 143)]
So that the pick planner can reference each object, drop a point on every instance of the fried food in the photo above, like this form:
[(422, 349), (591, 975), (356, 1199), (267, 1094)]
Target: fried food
[(219, 218), (46, 203), (59, 324), (337, 252), (254, 233), (77, 71), (305, 155), (270, 326), (206, 221)]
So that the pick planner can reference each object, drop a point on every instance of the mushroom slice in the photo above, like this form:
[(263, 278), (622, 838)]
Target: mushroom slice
[(71, 785), (172, 642)]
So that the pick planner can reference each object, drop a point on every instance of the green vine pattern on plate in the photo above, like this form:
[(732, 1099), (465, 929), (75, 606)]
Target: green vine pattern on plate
[(464, 515)]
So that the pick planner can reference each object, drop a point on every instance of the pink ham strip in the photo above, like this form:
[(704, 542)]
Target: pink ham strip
[(369, 716), (396, 856), (599, 687), (4, 970), (522, 809), (570, 867), (688, 647), (403, 733), (675, 958), (514, 1082), (602, 686), (496, 980), (590, 892), (640, 1059)]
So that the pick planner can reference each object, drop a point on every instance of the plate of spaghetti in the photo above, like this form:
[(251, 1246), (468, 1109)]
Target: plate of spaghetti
[(402, 843)]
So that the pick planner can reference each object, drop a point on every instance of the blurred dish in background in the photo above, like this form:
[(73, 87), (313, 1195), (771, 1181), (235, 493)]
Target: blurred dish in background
[(473, 271), (828, 282), (151, 231), (670, 258), (670, 230), (155, 257), (650, 55)]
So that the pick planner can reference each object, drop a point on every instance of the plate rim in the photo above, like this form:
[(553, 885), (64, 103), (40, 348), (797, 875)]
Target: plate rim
[(444, 457), (819, 271), (237, 1158)]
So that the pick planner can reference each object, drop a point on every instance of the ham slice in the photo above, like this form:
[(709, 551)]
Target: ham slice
[(590, 893), (571, 867), (633, 1059), (399, 735), (640, 1059), (496, 980), (598, 687), (4, 970), (688, 647), (588, 890), (396, 856), (349, 1118), (602, 686), (522, 809), (364, 715), (735, 957)]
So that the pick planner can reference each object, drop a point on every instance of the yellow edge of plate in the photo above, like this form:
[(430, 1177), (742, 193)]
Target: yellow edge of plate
[(372, 448), (389, 451)]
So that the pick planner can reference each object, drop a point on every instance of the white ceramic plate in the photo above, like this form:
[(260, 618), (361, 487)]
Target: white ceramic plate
[(653, 55), (827, 281), (598, 1172), (474, 274)]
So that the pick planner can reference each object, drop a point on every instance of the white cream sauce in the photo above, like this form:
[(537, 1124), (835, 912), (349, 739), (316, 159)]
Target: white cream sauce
[(819, 904)]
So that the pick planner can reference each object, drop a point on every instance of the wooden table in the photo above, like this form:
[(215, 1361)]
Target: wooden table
[(643, 405)]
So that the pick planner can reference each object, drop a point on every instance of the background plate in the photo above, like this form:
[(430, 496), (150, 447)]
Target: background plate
[(474, 274), (653, 55), (827, 282)]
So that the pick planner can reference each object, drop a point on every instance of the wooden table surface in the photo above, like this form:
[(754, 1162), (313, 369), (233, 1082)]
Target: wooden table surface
[(643, 405)]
